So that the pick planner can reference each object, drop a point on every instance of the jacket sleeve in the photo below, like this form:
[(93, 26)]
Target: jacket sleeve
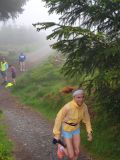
[(58, 122), (86, 120), (6, 66), (24, 57)]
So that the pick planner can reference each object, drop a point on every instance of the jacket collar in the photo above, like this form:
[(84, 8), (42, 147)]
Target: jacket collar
[(76, 105)]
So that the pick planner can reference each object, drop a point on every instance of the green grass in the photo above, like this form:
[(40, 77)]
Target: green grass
[(105, 145), (5, 143), (40, 89)]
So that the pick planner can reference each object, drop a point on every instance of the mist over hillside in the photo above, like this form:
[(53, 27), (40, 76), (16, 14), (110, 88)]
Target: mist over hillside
[(21, 38), (14, 40)]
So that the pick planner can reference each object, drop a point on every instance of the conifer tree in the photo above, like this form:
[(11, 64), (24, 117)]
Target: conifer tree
[(88, 34), (10, 8)]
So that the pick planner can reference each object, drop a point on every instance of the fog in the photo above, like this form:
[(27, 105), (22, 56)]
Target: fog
[(14, 40), (35, 11), (19, 35)]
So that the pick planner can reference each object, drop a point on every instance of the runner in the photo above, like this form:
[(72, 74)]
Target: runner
[(22, 59), (13, 73), (67, 123), (3, 69)]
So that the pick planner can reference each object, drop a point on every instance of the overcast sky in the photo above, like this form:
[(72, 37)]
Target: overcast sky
[(34, 11)]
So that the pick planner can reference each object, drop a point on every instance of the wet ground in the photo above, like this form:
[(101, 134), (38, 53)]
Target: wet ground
[(29, 131)]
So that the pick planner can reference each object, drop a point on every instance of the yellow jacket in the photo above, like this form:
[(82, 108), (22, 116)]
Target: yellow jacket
[(71, 113), (4, 66)]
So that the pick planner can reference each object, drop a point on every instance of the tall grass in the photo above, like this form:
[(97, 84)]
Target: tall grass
[(41, 87), (5, 143)]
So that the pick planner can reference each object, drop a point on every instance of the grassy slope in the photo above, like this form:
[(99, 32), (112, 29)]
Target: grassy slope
[(40, 89), (5, 144)]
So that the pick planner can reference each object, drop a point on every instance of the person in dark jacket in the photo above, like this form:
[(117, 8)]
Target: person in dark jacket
[(13, 73)]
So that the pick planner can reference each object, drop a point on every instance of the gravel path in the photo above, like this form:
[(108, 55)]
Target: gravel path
[(29, 131)]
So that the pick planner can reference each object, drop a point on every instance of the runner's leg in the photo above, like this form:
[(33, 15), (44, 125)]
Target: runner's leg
[(20, 66), (76, 145), (23, 66), (70, 149)]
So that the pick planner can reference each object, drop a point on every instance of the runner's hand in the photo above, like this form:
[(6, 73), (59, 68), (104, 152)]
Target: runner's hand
[(55, 140), (90, 137)]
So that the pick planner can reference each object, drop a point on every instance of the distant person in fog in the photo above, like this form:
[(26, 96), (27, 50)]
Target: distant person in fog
[(22, 59), (13, 73), (3, 70)]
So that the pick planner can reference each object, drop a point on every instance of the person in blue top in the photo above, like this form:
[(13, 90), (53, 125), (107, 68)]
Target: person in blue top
[(22, 59)]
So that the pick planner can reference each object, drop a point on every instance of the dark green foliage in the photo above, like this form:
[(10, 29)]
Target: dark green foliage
[(88, 35), (11, 8)]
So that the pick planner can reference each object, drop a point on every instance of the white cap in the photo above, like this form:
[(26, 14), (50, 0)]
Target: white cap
[(76, 92)]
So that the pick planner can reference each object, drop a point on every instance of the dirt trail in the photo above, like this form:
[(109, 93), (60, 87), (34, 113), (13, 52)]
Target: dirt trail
[(29, 131)]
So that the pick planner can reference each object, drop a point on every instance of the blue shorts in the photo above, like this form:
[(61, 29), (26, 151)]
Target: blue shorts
[(70, 134)]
